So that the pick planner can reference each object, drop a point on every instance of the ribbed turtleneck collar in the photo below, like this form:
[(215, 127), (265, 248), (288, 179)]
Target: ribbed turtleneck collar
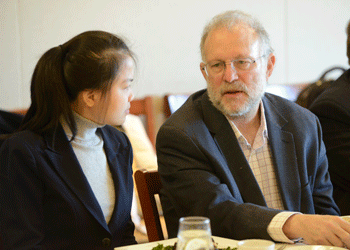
[(86, 130)]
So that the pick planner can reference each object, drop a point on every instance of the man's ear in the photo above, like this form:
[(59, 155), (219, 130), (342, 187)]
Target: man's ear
[(204, 73), (270, 65), (90, 97)]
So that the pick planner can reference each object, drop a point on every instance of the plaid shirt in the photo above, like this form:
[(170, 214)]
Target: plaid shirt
[(260, 160)]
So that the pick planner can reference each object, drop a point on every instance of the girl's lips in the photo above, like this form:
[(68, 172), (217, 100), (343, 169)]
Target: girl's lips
[(128, 110)]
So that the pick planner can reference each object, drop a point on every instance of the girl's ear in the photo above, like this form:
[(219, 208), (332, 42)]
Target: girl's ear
[(90, 97)]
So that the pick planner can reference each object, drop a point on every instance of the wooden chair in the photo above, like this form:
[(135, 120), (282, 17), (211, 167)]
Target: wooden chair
[(19, 111), (148, 185), (145, 107)]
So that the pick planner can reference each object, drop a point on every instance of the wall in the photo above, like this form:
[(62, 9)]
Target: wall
[(308, 36)]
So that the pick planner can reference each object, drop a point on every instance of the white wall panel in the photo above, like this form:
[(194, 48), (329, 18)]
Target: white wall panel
[(165, 36), (316, 37), (10, 63)]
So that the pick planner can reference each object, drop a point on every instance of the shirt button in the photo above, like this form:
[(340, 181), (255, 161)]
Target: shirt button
[(106, 242)]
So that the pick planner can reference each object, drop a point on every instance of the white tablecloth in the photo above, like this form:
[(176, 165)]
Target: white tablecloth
[(222, 243)]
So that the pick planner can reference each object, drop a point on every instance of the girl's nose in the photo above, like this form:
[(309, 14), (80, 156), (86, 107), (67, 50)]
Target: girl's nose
[(131, 96)]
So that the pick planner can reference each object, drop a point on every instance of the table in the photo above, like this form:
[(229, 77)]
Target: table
[(222, 243)]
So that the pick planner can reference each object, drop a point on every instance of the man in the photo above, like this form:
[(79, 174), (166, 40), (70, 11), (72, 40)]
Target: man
[(244, 158), (333, 109)]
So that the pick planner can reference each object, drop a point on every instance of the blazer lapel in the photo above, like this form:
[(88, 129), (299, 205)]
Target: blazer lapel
[(231, 150), (121, 174), (284, 155), (65, 162), (111, 148)]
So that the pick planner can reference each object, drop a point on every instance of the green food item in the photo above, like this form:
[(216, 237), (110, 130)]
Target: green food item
[(161, 247), (168, 248)]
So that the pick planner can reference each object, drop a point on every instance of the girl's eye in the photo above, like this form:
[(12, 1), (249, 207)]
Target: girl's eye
[(128, 84)]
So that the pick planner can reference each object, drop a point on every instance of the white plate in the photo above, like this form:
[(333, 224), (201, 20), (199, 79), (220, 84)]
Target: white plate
[(314, 248), (221, 242), (347, 218), (224, 242)]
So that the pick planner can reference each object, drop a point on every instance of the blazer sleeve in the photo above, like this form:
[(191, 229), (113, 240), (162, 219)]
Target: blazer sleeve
[(21, 194), (191, 186)]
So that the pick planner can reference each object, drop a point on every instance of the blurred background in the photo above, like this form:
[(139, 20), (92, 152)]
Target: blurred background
[(308, 37)]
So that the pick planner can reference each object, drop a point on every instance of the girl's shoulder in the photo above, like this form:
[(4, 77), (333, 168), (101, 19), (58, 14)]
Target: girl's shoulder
[(110, 132)]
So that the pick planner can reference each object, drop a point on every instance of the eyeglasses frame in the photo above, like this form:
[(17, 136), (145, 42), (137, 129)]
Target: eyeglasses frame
[(231, 64)]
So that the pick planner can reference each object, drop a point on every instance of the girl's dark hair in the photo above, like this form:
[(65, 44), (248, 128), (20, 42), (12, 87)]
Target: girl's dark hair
[(90, 60)]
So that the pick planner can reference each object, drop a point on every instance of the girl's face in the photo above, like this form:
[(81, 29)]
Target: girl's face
[(114, 106)]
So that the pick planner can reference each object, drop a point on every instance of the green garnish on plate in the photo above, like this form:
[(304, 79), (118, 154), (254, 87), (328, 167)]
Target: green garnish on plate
[(161, 247)]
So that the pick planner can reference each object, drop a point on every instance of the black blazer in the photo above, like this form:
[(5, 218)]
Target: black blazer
[(204, 171), (333, 109), (47, 202)]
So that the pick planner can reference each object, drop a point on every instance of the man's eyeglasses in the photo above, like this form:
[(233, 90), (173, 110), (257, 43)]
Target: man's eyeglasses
[(218, 67)]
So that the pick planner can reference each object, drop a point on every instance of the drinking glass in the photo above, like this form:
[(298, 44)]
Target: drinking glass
[(194, 234)]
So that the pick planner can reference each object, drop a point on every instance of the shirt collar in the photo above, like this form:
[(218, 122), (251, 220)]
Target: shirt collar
[(262, 131)]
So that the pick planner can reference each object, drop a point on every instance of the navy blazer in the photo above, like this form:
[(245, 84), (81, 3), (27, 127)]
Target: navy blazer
[(333, 109), (205, 173), (47, 202)]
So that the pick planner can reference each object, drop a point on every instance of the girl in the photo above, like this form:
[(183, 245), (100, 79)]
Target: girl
[(66, 177)]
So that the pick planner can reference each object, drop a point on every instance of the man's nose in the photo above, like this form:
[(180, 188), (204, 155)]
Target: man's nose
[(230, 73)]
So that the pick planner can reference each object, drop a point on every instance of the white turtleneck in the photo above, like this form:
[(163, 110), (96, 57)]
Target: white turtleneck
[(88, 148)]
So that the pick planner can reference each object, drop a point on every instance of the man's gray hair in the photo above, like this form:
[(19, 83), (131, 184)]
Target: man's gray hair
[(228, 20)]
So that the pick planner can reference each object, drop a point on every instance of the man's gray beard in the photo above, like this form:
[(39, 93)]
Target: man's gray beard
[(247, 107), (240, 113)]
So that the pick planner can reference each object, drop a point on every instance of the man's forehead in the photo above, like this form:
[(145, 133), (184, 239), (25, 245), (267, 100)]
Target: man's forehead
[(240, 30), (239, 40)]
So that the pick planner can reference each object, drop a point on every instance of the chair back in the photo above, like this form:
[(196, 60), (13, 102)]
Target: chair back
[(148, 185), (20, 111), (144, 106)]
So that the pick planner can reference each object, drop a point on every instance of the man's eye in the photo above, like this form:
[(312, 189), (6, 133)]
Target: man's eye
[(216, 65), (242, 62)]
